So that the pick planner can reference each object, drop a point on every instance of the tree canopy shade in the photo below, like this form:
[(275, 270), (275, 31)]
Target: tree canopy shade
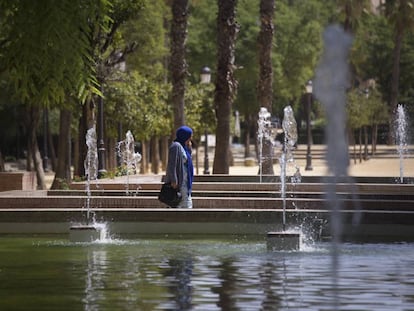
[(45, 49)]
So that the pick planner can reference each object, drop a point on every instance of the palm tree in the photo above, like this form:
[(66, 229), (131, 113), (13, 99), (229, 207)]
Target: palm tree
[(400, 14), (178, 65), (264, 87), (226, 84), (351, 10)]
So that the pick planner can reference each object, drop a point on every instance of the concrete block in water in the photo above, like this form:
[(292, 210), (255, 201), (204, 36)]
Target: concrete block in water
[(84, 233), (283, 241)]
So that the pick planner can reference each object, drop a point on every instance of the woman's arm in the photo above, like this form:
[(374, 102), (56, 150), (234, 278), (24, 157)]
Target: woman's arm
[(174, 164)]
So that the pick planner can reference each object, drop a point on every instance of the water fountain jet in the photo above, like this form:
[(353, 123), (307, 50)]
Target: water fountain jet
[(89, 231), (286, 240), (263, 124), (128, 156), (401, 129), (331, 83)]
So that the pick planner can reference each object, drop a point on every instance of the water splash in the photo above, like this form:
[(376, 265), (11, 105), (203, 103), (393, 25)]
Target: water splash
[(128, 156), (104, 235), (332, 80), (401, 137)]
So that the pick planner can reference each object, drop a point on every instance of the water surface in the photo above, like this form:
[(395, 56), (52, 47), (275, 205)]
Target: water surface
[(173, 273)]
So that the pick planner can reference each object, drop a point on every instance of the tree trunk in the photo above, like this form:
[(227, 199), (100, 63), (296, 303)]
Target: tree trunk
[(395, 79), (52, 152), (355, 155), (365, 142), (144, 159), (265, 83), (374, 139), (164, 152), (75, 153), (34, 147), (178, 65), (155, 155), (226, 84), (360, 143), (111, 153), (246, 134), (62, 175), (2, 168)]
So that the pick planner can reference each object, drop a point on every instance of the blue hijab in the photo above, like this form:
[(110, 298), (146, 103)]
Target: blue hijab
[(182, 135)]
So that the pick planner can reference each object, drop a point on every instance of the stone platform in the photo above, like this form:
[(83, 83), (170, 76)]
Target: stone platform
[(371, 208)]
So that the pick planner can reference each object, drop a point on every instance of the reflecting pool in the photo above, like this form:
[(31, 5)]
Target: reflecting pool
[(183, 273)]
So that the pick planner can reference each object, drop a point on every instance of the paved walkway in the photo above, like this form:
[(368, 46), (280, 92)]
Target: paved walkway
[(388, 167), (386, 163)]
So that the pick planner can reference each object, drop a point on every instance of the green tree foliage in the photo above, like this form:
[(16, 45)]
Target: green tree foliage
[(298, 46), (202, 42), (350, 12), (140, 104), (147, 74), (199, 108), (148, 32), (246, 57), (45, 48)]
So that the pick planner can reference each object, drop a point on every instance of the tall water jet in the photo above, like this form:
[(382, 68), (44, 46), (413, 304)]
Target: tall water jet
[(129, 158), (90, 166), (90, 230), (263, 133), (286, 240), (401, 137), (290, 138), (331, 82)]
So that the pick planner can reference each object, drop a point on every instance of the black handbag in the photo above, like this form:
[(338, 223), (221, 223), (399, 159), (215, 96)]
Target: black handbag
[(169, 195)]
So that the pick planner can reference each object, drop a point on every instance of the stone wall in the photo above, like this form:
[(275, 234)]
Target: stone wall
[(18, 181)]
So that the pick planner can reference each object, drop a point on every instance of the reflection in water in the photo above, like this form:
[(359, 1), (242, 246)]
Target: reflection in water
[(228, 281), (177, 274), (94, 279), (272, 300), (201, 275)]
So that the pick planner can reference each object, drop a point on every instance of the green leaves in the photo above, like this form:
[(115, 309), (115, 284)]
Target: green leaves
[(140, 104), (46, 50)]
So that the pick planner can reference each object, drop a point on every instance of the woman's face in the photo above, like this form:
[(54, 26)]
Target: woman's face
[(188, 141)]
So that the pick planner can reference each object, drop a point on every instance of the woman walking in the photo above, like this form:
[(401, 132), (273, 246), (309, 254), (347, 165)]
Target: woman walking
[(180, 169)]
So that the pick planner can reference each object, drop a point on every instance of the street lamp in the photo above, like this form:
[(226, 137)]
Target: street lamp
[(45, 136), (121, 66), (101, 141), (308, 125), (205, 77)]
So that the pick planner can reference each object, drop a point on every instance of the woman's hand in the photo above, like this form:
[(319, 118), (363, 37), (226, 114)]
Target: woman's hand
[(174, 185)]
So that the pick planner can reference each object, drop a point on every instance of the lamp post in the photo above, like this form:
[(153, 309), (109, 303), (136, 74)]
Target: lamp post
[(205, 77), (121, 66), (45, 136), (101, 141), (308, 86)]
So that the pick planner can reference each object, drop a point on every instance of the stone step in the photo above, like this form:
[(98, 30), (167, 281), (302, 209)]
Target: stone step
[(145, 202), (222, 187), (388, 194)]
